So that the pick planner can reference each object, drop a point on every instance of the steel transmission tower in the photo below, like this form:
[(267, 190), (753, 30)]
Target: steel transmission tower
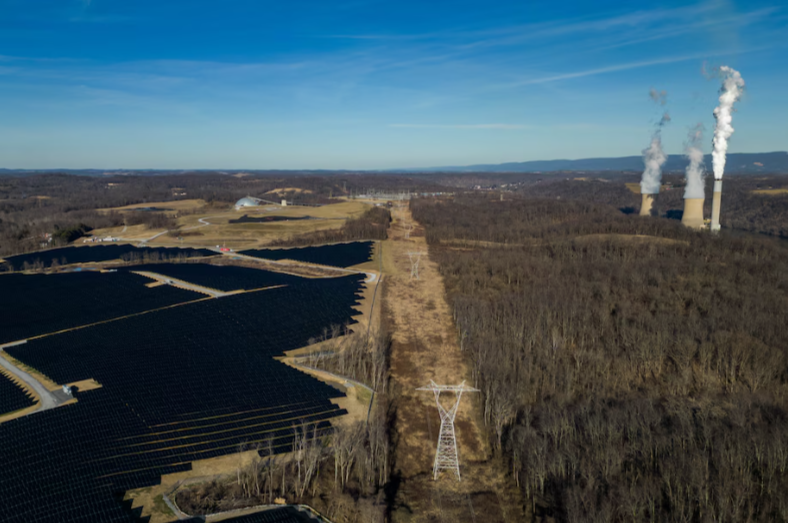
[(446, 456), (415, 258)]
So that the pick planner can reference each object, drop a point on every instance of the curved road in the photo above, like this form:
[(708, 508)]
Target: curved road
[(48, 400)]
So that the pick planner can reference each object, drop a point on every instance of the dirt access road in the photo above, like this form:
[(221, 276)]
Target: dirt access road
[(425, 348)]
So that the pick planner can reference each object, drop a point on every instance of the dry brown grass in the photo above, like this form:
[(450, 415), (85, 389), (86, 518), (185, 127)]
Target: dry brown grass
[(237, 236), (85, 385), (240, 236), (627, 238), (772, 192), (634, 187), (425, 348), (289, 189), (205, 470)]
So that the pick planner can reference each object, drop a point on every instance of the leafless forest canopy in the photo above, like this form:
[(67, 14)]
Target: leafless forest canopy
[(623, 378), (742, 208)]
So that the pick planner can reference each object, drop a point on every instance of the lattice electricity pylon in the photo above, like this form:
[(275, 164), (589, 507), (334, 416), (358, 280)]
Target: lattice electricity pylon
[(415, 258), (446, 456), (407, 232)]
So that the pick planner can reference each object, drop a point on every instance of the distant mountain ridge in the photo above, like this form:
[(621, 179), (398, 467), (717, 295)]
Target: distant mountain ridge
[(737, 163)]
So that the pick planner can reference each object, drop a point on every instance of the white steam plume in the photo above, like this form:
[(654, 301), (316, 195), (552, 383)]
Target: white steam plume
[(653, 156), (730, 92), (696, 169)]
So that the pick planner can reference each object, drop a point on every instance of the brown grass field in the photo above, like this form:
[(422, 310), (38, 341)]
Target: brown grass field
[(771, 192), (626, 238), (194, 233), (424, 348)]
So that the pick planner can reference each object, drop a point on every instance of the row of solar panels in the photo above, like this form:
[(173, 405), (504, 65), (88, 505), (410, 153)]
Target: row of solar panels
[(190, 382)]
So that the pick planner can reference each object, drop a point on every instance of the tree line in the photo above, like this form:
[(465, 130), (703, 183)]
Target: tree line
[(742, 207)]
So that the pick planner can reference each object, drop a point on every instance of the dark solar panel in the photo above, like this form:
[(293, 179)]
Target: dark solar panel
[(337, 255), (223, 278), (182, 384), (12, 396), (36, 304), (101, 253)]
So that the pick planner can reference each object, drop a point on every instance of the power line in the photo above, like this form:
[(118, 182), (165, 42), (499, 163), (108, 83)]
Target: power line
[(446, 456)]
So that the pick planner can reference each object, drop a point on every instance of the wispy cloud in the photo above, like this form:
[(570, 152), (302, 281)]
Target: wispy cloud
[(502, 126), (620, 67)]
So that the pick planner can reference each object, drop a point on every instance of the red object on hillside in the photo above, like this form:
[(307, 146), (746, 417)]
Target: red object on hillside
[(226, 249)]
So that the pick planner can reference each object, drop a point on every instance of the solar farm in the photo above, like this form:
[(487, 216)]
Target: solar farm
[(101, 253), (268, 219), (182, 377), (337, 255), (227, 278), (12, 396)]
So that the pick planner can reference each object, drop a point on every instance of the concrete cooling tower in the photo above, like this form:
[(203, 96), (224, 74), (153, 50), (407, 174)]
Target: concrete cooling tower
[(693, 213), (647, 204), (715, 206)]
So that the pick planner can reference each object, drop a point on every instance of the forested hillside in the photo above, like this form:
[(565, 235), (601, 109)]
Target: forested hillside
[(631, 369), (752, 204)]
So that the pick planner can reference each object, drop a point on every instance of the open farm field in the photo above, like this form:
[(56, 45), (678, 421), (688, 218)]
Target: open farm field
[(100, 253), (13, 397), (337, 255), (186, 383), (36, 304), (255, 229), (223, 278)]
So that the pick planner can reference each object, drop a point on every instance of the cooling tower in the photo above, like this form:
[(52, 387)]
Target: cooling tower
[(715, 206), (645, 206), (693, 213)]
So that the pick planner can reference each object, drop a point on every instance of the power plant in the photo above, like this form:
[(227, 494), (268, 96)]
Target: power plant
[(646, 204), (715, 206), (693, 213)]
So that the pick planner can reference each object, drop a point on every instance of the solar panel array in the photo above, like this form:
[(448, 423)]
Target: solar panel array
[(336, 255), (181, 384), (223, 278), (270, 218), (101, 253), (12, 396), (35, 304)]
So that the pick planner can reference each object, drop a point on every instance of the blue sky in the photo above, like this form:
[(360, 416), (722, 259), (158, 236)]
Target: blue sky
[(368, 84)]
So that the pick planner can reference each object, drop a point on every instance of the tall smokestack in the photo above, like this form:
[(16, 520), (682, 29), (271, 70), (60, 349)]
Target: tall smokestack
[(716, 198), (646, 204), (730, 92)]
